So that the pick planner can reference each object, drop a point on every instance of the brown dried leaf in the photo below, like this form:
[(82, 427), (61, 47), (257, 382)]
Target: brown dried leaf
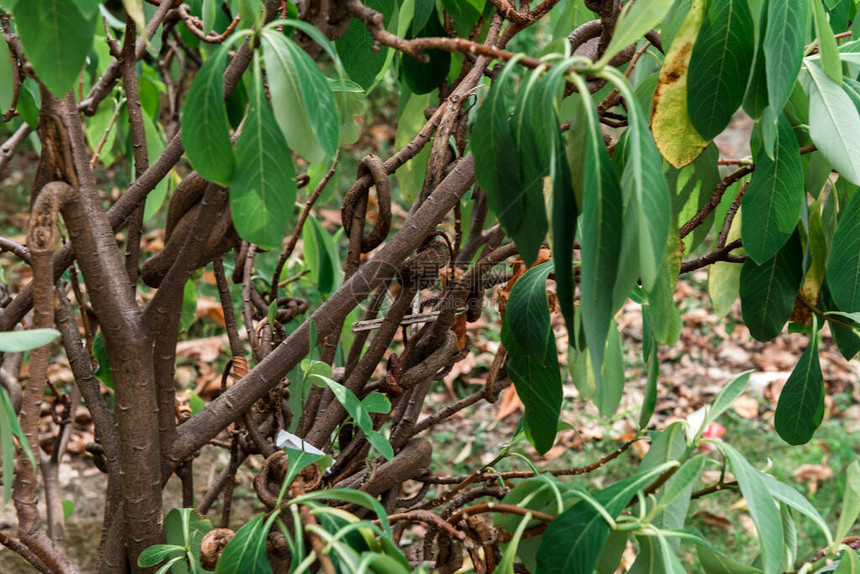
[(459, 329), (206, 350), (746, 407), (209, 307), (813, 474), (509, 404)]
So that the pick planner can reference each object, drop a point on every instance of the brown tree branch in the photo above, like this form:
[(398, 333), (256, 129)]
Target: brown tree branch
[(138, 146), (41, 238), (206, 424)]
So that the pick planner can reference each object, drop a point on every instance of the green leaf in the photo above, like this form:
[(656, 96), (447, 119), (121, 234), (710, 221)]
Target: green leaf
[(189, 305), (301, 98), (850, 502), (573, 541), (56, 38), (423, 78), (564, 211), (768, 290), (464, 13), (581, 373), (527, 312), (263, 190), (99, 126), (715, 562), (683, 479), (720, 65), (248, 12), (649, 402), (671, 562), (723, 286), (663, 313), (321, 256), (246, 551), (826, 43), (7, 77), (209, 12), (154, 147), (351, 109), (158, 553), (848, 563), (8, 420), (410, 120), (761, 506), (355, 47), (613, 550), (494, 149), (532, 159), (633, 23), (376, 402), (8, 428), (196, 403), (205, 127), (650, 557), (298, 460), (68, 509), (506, 565), (644, 187), (843, 264), (421, 14), (692, 188), (654, 206), (834, 122), (801, 402), (538, 384), (756, 98), (669, 445), (783, 44), (358, 413), (380, 443), (601, 240), (87, 7), (789, 534), (611, 389), (730, 393), (847, 339), (772, 204), (352, 496), (29, 102), (787, 495), (26, 340), (103, 373)]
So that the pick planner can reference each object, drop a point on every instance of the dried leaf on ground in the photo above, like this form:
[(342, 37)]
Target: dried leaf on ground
[(746, 407), (509, 404), (813, 474)]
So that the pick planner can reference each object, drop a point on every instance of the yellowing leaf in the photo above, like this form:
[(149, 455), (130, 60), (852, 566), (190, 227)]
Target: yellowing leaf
[(678, 141), (134, 8)]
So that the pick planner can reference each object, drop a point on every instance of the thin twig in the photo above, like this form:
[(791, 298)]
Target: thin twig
[(7, 150), (195, 26), (94, 160), (294, 238), (572, 471), (15, 248), (24, 552), (496, 507), (719, 254), (716, 197)]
